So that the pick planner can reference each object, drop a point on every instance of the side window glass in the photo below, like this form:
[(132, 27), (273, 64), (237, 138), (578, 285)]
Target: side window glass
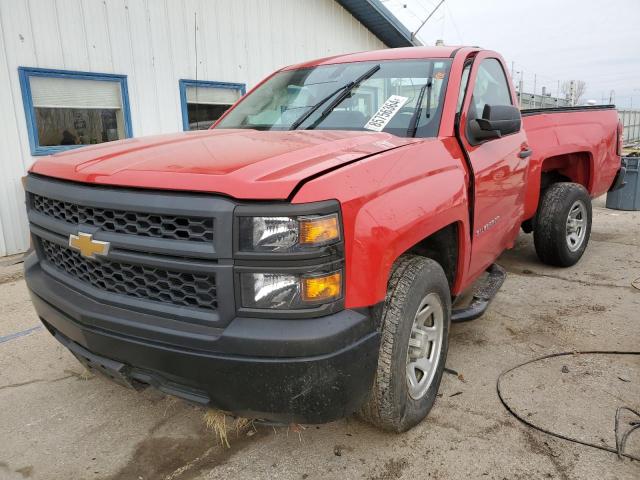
[(491, 88), (463, 85)]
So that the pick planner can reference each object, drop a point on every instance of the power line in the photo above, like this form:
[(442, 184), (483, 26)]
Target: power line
[(455, 25), (413, 35)]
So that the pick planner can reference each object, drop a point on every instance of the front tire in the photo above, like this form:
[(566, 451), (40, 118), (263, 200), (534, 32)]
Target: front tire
[(563, 224), (413, 349)]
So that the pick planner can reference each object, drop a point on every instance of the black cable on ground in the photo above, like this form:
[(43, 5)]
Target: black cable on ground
[(621, 440)]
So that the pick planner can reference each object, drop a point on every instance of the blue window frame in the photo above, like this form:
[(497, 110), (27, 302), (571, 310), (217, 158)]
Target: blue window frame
[(215, 98), (114, 120)]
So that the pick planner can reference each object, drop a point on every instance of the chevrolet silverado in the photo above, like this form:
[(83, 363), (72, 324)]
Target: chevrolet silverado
[(298, 261)]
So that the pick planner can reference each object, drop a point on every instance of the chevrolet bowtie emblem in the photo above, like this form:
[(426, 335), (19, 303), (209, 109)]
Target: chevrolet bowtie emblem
[(87, 246)]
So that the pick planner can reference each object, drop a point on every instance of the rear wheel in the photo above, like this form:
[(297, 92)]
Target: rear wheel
[(413, 350), (563, 224)]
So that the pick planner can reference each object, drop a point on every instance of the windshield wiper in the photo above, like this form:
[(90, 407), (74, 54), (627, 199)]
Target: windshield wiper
[(348, 88), (315, 107), (413, 125)]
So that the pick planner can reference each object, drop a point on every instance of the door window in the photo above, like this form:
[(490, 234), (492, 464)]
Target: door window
[(463, 85), (491, 88)]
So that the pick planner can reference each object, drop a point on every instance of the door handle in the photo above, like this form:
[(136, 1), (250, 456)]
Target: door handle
[(525, 153)]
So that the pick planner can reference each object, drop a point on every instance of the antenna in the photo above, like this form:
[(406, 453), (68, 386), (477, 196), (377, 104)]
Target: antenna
[(195, 43), (413, 35)]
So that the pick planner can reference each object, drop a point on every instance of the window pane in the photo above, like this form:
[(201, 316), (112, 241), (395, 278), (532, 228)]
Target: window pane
[(54, 92), (201, 116), (463, 86), (78, 126), (212, 95), (491, 88)]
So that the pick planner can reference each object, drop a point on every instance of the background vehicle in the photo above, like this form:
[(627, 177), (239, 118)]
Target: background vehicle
[(299, 261)]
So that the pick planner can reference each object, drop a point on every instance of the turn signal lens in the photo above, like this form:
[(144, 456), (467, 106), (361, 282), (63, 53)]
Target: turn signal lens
[(321, 289), (319, 230)]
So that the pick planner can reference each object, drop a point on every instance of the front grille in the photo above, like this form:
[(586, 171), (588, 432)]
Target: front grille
[(196, 290), (174, 227)]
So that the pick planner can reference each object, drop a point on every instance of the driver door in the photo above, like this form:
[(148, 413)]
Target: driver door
[(499, 165)]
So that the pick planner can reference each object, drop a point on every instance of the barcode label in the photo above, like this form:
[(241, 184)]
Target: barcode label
[(385, 113)]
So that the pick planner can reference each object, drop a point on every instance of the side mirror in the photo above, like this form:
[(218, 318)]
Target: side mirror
[(496, 121)]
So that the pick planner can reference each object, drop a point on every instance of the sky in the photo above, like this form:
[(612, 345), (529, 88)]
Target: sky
[(596, 41)]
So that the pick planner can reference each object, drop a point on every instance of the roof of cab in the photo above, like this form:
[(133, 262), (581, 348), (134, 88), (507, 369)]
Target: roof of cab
[(380, 55)]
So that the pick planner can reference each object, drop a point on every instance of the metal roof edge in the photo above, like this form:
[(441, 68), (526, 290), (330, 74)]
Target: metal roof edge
[(380, 21)]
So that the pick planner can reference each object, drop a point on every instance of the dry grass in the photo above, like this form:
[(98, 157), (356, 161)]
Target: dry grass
[(216, 420), (296, 428), (85, 375)]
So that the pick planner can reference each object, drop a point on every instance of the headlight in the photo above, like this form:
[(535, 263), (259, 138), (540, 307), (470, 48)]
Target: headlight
[(287, 234), (289, 291)]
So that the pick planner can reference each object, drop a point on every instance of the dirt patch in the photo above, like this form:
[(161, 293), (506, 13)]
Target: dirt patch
[(338, 450), (180, 458), (11, 273), (469, 337), (392, 469), (542, 448), (25, 471)]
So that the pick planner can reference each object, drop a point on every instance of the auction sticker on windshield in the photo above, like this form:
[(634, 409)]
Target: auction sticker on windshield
[(385, 113)]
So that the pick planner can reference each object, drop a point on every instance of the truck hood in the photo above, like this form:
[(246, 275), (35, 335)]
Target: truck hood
[(246, 164)]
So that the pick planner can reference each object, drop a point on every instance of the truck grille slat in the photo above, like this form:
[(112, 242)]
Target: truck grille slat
[(195, 290), (173, 227)]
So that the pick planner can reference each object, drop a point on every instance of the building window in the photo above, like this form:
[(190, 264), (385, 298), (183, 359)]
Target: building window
[(71, 109), (204, 102)]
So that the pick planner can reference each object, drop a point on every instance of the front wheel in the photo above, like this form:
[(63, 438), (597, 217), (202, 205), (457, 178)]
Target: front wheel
[(563, 224), (413, 349)]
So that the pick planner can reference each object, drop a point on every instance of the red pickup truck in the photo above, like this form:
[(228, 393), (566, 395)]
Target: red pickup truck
[(298, 262)]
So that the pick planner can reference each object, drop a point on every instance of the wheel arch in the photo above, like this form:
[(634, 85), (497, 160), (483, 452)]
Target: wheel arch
[(577, 167), (564, 166), (442, 246)]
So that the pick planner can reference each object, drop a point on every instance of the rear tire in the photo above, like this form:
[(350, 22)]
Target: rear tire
[(563, 224), (413, 349)]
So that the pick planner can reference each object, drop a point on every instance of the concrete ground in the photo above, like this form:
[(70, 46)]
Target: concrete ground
[(54, 424)]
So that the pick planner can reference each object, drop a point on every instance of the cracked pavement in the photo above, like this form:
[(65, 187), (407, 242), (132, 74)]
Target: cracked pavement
[(56, 424)]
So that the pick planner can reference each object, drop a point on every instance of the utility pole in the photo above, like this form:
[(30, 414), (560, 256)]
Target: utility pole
[(572, 93), (535, 79), (520, 87)]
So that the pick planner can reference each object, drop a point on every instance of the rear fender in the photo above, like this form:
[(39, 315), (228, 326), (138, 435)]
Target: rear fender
[(575, 165)]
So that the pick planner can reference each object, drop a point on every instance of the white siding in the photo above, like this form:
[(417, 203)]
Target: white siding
[(153, 42)]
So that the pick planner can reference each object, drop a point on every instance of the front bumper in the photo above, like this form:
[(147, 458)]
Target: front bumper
[(284, 370)]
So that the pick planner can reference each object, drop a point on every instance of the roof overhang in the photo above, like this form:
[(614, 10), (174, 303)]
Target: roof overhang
[(381, 22)]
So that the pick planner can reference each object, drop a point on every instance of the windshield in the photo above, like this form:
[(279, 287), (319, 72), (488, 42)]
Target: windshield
[(402, 97)]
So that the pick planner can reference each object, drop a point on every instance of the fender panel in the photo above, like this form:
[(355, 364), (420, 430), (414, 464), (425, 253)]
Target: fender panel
[(390, 202)]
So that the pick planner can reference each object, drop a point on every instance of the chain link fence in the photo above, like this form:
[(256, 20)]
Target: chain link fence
[(631, 122)]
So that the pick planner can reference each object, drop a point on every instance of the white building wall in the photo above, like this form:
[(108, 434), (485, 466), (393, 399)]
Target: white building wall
[(153, 42)]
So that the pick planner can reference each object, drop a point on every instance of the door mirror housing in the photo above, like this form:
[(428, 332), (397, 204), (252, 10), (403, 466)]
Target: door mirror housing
[(496, 121)]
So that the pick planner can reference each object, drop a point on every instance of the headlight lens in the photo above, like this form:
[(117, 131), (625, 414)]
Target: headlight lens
[(268, 234), (289, 291), (287, 234)]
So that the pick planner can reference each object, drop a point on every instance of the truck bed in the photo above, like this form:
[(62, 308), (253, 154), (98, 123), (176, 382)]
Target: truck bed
[(582, 140)]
